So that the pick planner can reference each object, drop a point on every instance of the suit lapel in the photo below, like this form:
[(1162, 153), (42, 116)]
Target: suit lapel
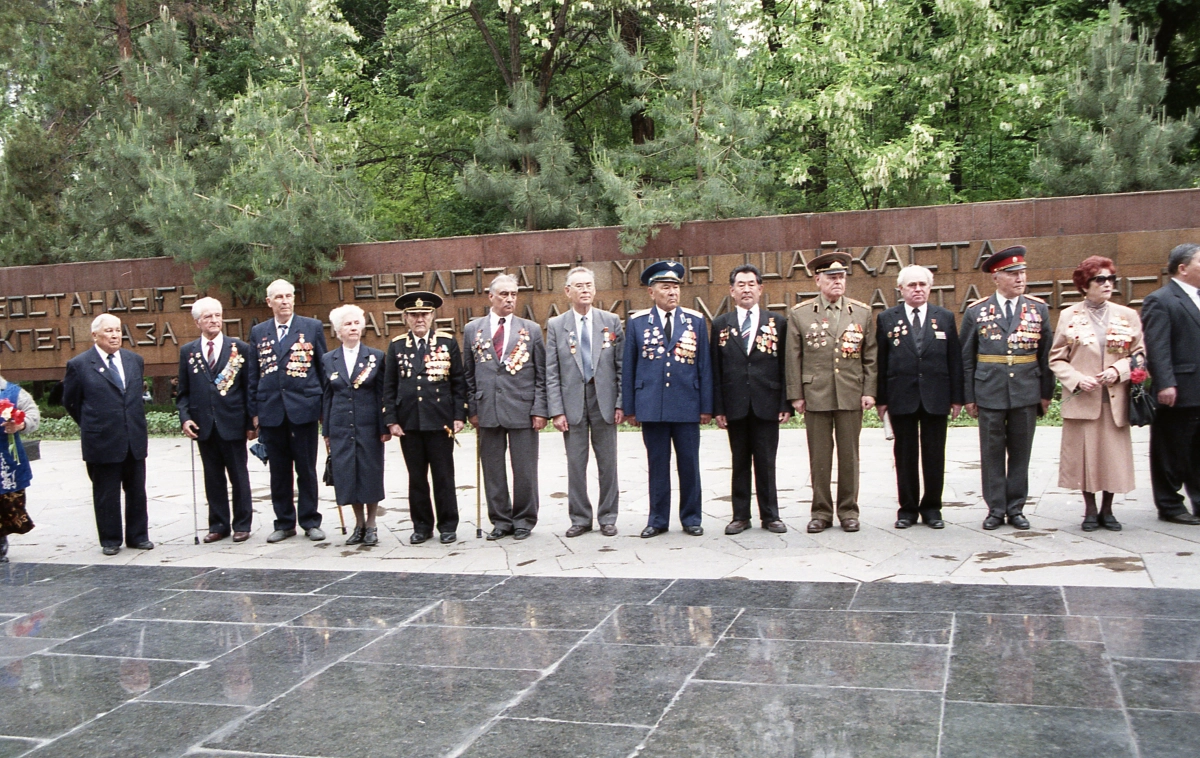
[(1188, 304), (282, 346), (104, 370), (223, 358), (736, 328), (572, 334), (128, 367)]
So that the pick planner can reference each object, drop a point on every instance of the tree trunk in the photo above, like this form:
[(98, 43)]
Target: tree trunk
[(771, 11), (161, 390)]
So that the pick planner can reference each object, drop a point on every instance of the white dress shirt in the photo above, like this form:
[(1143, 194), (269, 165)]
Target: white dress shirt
[(662, 319), (494, 322), (350, 356), (116, 361), (741, 317), (921, 309), (1002, 300), (287, 323), (218, 344), (1191, 291)]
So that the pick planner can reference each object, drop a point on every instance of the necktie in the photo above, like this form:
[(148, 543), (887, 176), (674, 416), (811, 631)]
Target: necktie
[(916, 324), (585, 349), (1008, 312), (667, 325), (212, 358), (746, 332), (282, 331), (421, 351), (112, 364), (498, 339)]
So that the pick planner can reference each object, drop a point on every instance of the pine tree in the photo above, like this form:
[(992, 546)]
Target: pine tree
[(1113, 134)]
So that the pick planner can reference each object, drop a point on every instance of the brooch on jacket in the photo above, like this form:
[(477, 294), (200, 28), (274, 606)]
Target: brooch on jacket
[(1028, 333), (852, 340), (480, 347), (404, 365), (300, 358), (898, 331), (723, 337), (571, 342), (652, 343), (437, 364), (266, 356), (362, 375), (685, 348), (228, 375), (606, 339), (818, 334), (519, 356), (768, 338)]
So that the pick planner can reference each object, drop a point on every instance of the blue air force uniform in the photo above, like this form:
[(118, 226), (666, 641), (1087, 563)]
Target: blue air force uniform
[(667, 385)]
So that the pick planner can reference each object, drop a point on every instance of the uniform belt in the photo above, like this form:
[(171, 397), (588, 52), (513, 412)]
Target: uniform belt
[(1011, 360)]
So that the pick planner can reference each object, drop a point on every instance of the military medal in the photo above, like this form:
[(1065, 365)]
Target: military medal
[(685, 348), (723, 337), (818, 334), (266, 356), (605, 339), (571, 342), (898, 331), (362, 375), (768, 338), (437, 364), (652, 343), (480, 347), (299, 358), (520, 353), (1119, 336), (852, 341), (224, 380)]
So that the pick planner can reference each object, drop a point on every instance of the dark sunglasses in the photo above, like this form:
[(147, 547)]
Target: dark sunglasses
[(1111, 279)]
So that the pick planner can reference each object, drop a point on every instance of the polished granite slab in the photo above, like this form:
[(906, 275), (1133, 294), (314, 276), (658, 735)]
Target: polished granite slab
[(148, 661)]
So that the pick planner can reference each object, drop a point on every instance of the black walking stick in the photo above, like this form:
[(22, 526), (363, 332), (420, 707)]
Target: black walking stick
[(195, 507)]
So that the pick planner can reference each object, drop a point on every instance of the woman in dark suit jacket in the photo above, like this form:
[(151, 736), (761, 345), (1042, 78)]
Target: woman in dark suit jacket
[(352, 418)]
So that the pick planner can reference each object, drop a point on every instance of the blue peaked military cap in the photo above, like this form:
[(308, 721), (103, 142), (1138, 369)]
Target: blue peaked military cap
[(663, 271)]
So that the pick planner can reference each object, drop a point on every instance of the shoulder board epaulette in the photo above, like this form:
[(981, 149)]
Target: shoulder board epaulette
[(974, 303), (443, 333), (399, 337), (643, 312), (803, 303), (1035, 299), (698, 314), (852, 301)]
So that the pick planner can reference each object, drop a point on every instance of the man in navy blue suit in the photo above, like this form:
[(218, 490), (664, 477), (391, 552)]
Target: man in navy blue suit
[(288, 349), (215, 409), (667, 389), (102, 391)]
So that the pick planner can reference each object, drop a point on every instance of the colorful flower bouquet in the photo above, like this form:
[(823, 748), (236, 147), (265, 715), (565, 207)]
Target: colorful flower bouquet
[(10, 413)]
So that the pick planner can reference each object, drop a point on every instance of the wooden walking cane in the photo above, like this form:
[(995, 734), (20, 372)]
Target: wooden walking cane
[(478, 495)]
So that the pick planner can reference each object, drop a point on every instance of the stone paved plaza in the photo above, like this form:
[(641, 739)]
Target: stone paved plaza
[(917, 643)]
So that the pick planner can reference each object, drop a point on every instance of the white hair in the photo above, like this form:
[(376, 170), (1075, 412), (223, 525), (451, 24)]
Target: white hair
[(338, 315), (279, 287), (911, 273), (503, 279), (580, 271), (205, 306), (99, 321)]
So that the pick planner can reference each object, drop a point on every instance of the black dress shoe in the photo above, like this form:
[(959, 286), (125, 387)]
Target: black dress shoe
[(356, 536), (694, 531), (903, 523), (417, 538), (652, 531), (1180, 518), (1109, 522), (143, 545), (521, 534), (496, 534), (993, 522), (448, 537), (1090, 523), (935, 523), (578, 529), (111, 549), (1019, 521)]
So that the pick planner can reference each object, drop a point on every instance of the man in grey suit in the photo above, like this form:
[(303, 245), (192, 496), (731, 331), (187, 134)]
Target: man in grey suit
[(583, 393), (505, 362)]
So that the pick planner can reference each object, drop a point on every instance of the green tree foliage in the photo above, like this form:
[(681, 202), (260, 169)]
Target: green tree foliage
[(1112, 134)]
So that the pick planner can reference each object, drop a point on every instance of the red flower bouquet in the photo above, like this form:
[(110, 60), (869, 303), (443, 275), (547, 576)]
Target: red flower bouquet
[(9, 413), (1138, 376)]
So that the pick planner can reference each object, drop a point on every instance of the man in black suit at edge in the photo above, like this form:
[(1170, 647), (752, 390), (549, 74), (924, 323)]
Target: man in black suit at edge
[(920, 382), (288, 403), (1171, 325), (749, 400), (216, 374), (102, 390)]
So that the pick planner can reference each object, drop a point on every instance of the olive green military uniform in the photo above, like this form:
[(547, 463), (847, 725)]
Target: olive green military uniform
[(831, 367)]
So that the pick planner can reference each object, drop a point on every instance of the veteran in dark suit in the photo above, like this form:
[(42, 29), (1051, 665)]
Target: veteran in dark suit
[(831, 375), (102, 390), (584, 351), (425, 405), (920, 387), (749, 399), (1171, 325), (291, 383), (1007, 383), (505, 364), (667, 389), (216, 409), (352, 421)]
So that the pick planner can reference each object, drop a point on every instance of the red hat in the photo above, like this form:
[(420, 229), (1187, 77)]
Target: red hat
[(1008, 259)]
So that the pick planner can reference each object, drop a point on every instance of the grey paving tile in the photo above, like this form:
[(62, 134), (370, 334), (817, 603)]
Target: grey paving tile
[(475, 648), (518, 614), (383, 584), (551, 739), (19, 647), (963, 598), (1165, 734), (664, 625), (147, 730), (975, 730), (147, 577), (568, 588), (429, 711), (363, 612), (46, 695), (264, 668), (844, 626), (23, 574), (82, 613), (612, 684), (261, 580), (164, 640), (739, 593), (11, 747), (1159, 685), (909, 667), (1134, 602), (1152, 638), (716, 720), (239, 607)]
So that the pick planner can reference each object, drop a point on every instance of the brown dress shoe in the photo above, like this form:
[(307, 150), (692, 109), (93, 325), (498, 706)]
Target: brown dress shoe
[(777, 527), (214, 537), (816, 526), (578, 529), (850, 525), (608, 530), (241, 536), (737, 527)]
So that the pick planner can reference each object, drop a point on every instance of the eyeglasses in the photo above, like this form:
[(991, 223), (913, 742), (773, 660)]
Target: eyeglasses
[(1110, 279)]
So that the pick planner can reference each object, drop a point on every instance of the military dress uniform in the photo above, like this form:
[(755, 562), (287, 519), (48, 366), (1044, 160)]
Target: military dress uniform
[(1006, 373), (831, 366), (425, 392), (667, 385)]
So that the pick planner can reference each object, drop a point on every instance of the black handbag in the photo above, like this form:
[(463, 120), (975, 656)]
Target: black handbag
[(1142, 405)]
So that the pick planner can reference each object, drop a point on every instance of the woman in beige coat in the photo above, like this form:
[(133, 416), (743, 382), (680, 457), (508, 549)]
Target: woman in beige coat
[(1093, 345)]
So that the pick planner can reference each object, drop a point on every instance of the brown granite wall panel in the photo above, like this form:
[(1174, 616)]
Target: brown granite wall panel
[(46, 311)]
